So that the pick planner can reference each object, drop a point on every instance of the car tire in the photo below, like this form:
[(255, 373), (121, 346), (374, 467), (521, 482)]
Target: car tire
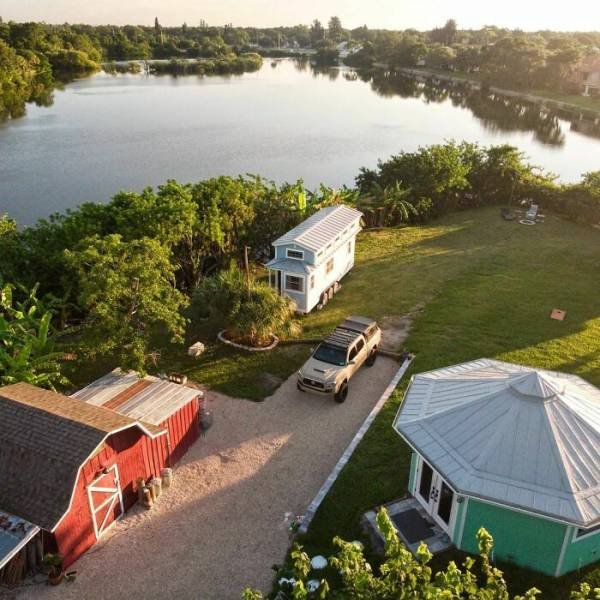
[(371, 358), (342, 393)]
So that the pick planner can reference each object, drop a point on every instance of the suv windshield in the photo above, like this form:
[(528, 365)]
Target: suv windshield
[(331, 355)]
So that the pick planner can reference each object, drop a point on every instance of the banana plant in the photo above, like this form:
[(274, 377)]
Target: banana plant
[(27, 348)]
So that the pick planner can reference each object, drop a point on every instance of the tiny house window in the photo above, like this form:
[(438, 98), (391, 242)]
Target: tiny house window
[(312, 282), (350, 247), (585, 532), (294, 283), (295, 254), (329, 266)]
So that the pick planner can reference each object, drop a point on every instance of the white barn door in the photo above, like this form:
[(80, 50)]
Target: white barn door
[(106, 500)]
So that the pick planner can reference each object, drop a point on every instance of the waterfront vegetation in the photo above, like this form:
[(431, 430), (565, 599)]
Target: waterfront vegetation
[(170, 241), (34, 57)]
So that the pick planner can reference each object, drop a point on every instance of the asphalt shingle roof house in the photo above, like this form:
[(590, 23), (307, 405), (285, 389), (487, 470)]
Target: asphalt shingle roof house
[(312, 258), (513, 449), (69, 465)]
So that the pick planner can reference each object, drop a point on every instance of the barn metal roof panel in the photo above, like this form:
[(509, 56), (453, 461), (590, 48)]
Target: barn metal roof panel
[(290, 265), (154, 401), (14, 534), (45, 437), (321, 228), (515, 435)]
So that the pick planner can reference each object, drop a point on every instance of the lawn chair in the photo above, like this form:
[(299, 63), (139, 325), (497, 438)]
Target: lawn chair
[(532, 212)]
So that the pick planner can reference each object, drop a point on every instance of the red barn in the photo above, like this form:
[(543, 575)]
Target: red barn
[(159, 402), (69, 468)]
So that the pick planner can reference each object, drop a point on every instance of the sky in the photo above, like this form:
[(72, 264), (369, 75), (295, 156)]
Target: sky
[(575, 15)]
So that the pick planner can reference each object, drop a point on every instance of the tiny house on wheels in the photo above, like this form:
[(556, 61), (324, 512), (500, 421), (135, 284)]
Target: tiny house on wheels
[(69, 465), (513, 449), (312, 258)]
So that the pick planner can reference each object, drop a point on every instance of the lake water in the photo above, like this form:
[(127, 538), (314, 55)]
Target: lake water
[(284, 122)]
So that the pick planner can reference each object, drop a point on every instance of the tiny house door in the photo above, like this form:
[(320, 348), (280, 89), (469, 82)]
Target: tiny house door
[(436, 496)]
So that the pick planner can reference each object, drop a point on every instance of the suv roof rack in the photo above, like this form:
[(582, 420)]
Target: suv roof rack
[(341, 338), (358, 324)]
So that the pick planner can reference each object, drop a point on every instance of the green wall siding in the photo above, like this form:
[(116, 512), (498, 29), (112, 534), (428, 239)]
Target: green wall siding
[(519, 538), (413, 472), (581, 552)]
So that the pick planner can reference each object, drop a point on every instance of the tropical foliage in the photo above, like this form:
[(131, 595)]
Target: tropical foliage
[(27, 345), (401, 575), (250, 311), (127, 292)]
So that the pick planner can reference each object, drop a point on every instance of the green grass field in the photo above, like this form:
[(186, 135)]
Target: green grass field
[(489, 287)]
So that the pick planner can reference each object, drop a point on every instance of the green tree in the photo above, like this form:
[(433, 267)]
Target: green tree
[(402, 576), (335, 31), (250, 311), (127, 290), (317, 32), (27, 340)]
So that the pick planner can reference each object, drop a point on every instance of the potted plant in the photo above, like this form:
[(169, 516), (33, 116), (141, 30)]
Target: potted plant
[(55, 572)]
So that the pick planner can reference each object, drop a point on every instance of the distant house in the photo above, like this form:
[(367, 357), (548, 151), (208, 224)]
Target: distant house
[(512, 449), (69, 465), (588, 76), (311, 259)]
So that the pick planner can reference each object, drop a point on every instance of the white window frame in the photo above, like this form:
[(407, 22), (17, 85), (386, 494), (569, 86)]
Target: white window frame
[(594, 531), (299, 277), (287, 254)]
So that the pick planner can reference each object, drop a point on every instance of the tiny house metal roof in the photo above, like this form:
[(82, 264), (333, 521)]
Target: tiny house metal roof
[(290, 265), (513, 435), (151, 400), (321, 228)]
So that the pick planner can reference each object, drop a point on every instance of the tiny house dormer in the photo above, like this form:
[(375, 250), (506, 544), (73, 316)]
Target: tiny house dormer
[(312, 258)]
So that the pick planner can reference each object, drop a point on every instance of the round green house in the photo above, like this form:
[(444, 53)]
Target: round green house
[(513, 449)]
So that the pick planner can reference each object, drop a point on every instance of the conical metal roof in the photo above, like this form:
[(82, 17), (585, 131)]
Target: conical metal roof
[(514, 435)]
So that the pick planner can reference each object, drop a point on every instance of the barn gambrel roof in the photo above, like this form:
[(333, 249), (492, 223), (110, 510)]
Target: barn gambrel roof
[(322, 228), (45, 438), (518, 436)]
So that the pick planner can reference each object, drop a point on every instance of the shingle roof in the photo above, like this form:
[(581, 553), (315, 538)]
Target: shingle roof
[(44, 439), (515, 435), (321, 228), (151, 400)]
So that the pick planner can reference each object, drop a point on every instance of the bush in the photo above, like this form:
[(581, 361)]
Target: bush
[(250, 311)]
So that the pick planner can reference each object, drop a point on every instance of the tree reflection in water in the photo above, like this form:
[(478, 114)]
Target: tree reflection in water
[(496, 112)]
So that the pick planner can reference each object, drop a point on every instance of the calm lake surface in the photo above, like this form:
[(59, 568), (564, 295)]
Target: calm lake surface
[(284, 122)]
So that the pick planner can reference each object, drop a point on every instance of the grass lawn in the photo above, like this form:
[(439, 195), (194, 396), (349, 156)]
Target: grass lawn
[(489, 287)]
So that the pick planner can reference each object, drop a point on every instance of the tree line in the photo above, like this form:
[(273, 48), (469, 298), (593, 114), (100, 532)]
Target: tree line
[(544, 60)]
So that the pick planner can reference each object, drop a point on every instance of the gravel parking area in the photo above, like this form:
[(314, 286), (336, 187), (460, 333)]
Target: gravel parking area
[(222, 524)]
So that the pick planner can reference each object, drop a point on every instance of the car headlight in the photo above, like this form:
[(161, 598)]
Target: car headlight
[(329, 386)]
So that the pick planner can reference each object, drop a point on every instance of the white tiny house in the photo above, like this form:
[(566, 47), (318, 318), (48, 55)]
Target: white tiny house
[(311, 259)]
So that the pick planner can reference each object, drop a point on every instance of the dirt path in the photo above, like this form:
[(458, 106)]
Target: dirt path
[(222, 524)]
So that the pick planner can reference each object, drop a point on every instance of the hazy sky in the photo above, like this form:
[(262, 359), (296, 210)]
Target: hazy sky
[(582, 15)]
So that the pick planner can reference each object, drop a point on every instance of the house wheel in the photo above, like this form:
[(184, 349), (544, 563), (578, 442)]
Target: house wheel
[(371, 358), (342, 393)]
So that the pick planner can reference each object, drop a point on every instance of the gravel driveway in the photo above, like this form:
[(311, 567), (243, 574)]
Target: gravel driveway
[(222, 524)]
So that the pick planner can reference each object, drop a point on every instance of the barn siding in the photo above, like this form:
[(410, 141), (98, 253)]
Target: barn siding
[(75, 534), (136, 455)]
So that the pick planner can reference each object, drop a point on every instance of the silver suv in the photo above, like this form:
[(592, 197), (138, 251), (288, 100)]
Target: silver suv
[(339, 357)]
